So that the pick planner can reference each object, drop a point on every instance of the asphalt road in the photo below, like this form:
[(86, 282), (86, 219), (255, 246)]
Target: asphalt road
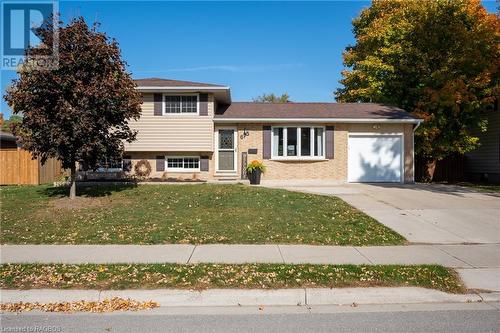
[(483, 320)]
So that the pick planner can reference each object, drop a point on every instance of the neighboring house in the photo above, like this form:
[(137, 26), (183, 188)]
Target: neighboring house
[(194, 131), (483, 164), (7, 141)]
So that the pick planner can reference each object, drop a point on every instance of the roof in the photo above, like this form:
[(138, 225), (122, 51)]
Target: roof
[(157, 82), (4, 136), (301, 111), (222, 93)]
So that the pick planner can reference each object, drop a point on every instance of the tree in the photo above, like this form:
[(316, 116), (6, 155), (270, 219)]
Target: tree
[(8, 123), (78, 112), (437, 59), (272, 98)]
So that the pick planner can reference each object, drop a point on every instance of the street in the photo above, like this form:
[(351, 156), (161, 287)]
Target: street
[(478, 317)]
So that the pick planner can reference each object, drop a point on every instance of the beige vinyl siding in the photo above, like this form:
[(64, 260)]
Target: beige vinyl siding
[(486, 158), (172, 132)]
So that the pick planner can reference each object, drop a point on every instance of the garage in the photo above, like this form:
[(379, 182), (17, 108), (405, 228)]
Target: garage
[(375, 158)]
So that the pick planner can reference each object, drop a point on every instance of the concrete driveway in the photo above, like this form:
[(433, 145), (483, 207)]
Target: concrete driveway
[(422, 213)]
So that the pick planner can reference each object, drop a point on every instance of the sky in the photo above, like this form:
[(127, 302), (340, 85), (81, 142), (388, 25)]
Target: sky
[(253, 47)]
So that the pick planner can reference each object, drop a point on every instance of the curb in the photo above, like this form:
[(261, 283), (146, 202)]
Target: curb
[(242, 297)]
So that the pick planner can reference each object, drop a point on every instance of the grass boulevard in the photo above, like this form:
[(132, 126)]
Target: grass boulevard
[(205, 276)]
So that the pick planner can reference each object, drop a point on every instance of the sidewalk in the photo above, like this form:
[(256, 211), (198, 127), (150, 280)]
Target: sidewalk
[(478, 265), (455, 256)]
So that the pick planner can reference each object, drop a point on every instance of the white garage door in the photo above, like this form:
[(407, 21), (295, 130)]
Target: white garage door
[(375, 158)]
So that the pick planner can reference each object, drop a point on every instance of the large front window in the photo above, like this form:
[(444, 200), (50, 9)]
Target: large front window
[(298, 142), (177, 104)]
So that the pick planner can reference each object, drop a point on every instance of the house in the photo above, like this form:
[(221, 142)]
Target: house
[(192, 130), (483, 164)]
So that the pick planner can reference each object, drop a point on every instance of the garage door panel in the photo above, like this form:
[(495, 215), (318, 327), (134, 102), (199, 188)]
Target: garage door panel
[(375, 158)]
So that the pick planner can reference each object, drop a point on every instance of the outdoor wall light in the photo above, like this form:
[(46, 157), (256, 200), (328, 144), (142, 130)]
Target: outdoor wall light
[(244, 134)]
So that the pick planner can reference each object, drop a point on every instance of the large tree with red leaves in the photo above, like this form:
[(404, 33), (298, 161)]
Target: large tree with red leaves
[(78, 112)]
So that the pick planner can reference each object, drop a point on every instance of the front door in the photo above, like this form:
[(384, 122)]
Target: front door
[(226, 150)]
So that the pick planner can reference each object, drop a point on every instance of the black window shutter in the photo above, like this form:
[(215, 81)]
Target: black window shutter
[(266, 149), (158, 104), (329, 142), (203, 104), (160, 163), (127, 163), (204, 163)]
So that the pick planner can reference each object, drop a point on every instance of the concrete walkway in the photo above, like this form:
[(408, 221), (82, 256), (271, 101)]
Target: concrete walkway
[(478, 265), (422, 213), (455, 256)]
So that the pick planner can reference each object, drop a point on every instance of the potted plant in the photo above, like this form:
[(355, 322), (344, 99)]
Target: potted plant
[(254, 170)]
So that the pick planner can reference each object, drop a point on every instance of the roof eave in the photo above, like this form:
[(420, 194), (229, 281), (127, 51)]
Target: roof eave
[(316, 120), (165, 88), (215, 90)]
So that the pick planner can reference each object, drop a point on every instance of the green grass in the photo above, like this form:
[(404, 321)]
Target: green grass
[(202, 276), (489, 188), (197, 214)]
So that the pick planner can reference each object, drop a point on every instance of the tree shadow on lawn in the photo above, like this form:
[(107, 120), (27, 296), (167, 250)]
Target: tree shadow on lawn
[(89, 191)]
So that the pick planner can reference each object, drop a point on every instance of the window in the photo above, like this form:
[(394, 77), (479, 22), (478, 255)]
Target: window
[(181, 164), (180, 104), (305, 141), (298, 142), (110, 165), (278, 141)]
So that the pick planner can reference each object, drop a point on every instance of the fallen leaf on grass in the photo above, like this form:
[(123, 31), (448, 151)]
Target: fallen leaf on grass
[(106, 305)]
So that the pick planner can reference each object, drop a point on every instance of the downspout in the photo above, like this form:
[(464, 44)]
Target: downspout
[(413, 140)]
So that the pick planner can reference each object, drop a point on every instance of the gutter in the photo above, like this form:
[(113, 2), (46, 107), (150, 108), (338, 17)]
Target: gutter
[(418, 124), (413, 141), (180, 88), (317, 120)]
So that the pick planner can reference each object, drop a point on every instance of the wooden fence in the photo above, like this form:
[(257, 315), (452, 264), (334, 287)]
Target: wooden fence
[(450, 169), (17, 167)]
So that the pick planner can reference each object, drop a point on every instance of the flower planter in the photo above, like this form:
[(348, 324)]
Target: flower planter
[(254, 177)]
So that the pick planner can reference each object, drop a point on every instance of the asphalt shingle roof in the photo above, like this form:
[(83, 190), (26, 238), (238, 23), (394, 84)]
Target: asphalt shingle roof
[(157, 82), (311, 110)]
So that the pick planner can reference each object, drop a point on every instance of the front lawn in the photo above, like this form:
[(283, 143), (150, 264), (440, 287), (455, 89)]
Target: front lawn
[(202, 276), (197, 214)]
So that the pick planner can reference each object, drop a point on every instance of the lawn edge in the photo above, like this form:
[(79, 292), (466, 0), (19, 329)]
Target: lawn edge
[(262, 276)]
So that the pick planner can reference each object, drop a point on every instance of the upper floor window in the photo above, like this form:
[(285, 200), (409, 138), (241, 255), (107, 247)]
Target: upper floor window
[(298, 142), (178, 104)]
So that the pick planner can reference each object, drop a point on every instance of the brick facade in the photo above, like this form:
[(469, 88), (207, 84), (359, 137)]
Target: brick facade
[(249, 136), (332, 169)]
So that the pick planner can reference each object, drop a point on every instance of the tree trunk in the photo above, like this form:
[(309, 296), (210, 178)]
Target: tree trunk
[(430, 168), (72, 189)]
